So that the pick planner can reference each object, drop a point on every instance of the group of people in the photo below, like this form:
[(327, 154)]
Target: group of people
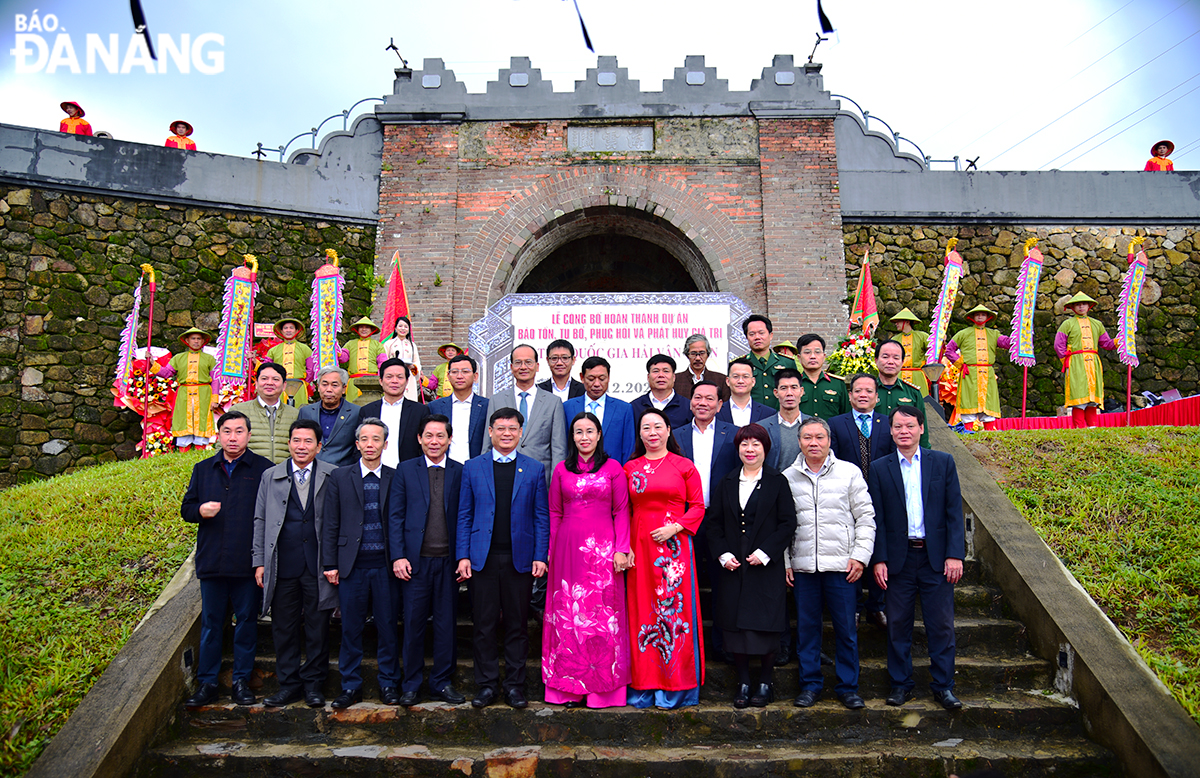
[(815, 483), (75, 124)]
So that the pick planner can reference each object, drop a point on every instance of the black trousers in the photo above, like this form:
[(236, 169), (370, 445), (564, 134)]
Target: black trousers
[(295, 622), (432, 591), (500, 595)]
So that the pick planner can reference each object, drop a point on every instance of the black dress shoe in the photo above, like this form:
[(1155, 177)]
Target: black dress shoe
[(573, 704), (283, 697), (515, 698), (447, 695), (898, 697), (763, 695), (878, 618), (314, 699), (408, 699), (241, 693), (947, 700), (389, 695), (484, 697), (347, 698), (741, 698), (806, 699), (852, 701), (781, 659), (205, 695)]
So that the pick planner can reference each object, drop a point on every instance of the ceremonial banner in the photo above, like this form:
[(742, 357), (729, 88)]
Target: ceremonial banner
[(395, 301), (1021, 350), (625, 329), (864, 311), (940, 325), (236, 337), (326, 313), (128, 346), (1131, 299)]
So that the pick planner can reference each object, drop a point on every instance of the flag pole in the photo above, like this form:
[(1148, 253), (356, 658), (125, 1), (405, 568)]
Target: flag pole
[(1024, 391), (149, 361), (1128, 395)]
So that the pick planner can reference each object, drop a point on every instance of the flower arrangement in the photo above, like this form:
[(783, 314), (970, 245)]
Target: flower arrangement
[(162, 389), (855, 354), (157, 441), (231, 394)]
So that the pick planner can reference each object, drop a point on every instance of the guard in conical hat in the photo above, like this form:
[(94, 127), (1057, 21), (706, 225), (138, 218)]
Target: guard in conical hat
[(366, 355), (446, 351), (978, 402), (180, 139), (293, 354), (192, 418), (1077, 344), (1160, 153), (915, 344), (74, 124)]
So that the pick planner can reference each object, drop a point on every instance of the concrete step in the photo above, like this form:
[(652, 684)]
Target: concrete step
[(1010, 715), (921, 755)]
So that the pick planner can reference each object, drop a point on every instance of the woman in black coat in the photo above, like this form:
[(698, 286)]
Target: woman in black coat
[(750, 522)]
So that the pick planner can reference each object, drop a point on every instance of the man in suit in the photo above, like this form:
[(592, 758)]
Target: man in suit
[(660, 375), (544, 433), (220, 499), (919, 549), (783, 428), (707, 440), (269, 417), (502, 540), (616, 417), (401, 415), (337, 416), (422, 522), (466, 410), (697, 350), (288, 515), (354, 555), (561, 356), (742, 409)]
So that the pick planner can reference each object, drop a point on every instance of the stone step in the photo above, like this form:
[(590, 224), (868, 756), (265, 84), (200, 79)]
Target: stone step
[(920, 755), (1010, 715)]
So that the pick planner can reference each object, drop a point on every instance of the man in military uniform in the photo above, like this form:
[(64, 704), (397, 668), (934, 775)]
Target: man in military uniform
[(765, 362), (889, 360), (824, 396)]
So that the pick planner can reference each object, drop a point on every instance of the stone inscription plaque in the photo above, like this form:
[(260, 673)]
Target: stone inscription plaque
[(611, 138)]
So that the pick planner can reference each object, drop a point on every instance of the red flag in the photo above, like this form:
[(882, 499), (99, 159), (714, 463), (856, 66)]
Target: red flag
[(396, 300), (863, 311)]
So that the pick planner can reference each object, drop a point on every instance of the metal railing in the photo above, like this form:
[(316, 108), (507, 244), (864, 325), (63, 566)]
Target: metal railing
[(897, 138), (261, 152)]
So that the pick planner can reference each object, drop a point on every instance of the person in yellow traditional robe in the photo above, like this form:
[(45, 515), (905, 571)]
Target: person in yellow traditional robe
[(1077, 344), (978, 396), (366, 355), (915, 344), (293, 355), (192, 419), (447, 351)]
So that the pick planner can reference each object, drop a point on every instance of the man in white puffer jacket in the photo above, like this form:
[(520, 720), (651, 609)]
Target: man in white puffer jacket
[(835, 536)]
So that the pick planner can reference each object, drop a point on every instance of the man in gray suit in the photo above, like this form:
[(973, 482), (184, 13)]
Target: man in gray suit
[(544, 432), (337, 416)]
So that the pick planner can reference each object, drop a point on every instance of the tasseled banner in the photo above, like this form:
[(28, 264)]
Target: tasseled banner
[(940, 325), (1131, 300), (326, 315), (235, 340), (128, 346), (1021, 350)]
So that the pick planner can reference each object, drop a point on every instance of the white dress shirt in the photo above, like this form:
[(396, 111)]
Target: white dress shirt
[(460, 421), (746, 487), (533, 392), (362, 468), (660, 404), (430, 463), (389, 413), (741, 416), (910, 474), (562, 394), (702, 454)]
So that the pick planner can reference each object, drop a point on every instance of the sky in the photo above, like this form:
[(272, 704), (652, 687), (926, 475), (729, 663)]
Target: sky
[(1020, 85)]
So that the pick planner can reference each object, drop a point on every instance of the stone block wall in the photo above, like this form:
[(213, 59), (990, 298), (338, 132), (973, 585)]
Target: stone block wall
[(70, 263), (907, 263)]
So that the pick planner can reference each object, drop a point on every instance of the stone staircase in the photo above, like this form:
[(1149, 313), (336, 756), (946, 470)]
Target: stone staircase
[(1009, 723)]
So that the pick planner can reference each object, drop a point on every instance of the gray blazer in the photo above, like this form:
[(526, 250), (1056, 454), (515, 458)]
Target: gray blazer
[(269, 510), (544, 436), (338, 449)]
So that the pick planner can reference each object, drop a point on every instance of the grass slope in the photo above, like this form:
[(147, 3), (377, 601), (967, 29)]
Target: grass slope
[(81, 559), (1121, 508)]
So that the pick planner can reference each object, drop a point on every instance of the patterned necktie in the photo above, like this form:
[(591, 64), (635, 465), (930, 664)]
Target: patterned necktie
[(593, 406), (863, 420), (524, 408), (301, 480)]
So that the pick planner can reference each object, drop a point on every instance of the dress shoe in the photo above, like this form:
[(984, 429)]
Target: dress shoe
[(898, 697), (763, 695), (389, 695), (314, 699), (242, 695), (409, 699), (852, 701), (573, 704), (515, 698), (781, 659), (447, 695), (742, 697), (947, 700), (347, 698), (484, 697), (878, 618), (205, 695), (806, 699), (283, 697)]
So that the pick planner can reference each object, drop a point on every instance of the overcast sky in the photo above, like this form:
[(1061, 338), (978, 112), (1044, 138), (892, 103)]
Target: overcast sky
[(1022, 84)]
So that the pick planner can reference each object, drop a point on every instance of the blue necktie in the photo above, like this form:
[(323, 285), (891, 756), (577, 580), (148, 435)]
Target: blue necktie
[(864, 424), (524, 408), (593, 406)]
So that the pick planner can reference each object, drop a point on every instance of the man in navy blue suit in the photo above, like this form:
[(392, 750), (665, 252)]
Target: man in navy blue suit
[(422, 524), (466, 410), (503, 538), (920, 544), (660, 375), (616, 417), (741, 410)]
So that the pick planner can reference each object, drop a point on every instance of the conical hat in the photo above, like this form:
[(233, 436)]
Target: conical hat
[(1170, 146), (289, 320), (785, 344), (195, 331), (364, 322), (185, 124), (442, 349), (981, 308), (906, 315), (1079, 297)]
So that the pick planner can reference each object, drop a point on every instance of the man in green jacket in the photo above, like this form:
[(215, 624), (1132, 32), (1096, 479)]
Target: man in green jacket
[(269, 418)]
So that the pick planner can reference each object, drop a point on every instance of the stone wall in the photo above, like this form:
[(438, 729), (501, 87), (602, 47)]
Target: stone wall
[(70, 265), (907, 266)]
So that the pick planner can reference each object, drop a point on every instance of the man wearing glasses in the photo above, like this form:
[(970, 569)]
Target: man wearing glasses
[(544, 426), (561, 356), (697, 350)]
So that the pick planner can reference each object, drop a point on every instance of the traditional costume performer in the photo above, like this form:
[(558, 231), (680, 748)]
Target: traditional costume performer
[(978, 396), (293, 355), (788, 349), (915, 344), (1076, 345), (446, 351), (74, 124), (192, 420), (180, 139), (366, 355), (400, 345), (1159, 152)]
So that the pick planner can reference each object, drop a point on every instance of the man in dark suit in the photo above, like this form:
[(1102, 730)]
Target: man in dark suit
[(697, 350), (742, 409), (660, 375), (561, 356), (466, 410), (402, 416), (544, 432), (616, 417), (421, 527), (337, 416), (707, 440), (502, 539), (920, 544)]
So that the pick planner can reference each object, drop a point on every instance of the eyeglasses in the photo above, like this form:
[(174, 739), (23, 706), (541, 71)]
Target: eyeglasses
[(559, 359), (697, 353), (525, 363)]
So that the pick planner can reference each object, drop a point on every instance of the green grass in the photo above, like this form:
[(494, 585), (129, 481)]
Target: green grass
[(81, 559), (1121, 508)]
